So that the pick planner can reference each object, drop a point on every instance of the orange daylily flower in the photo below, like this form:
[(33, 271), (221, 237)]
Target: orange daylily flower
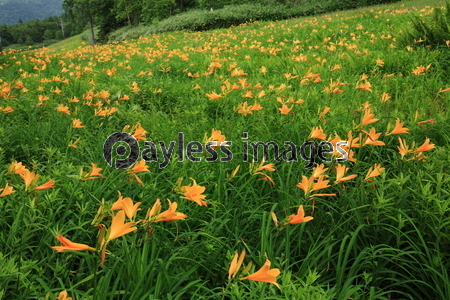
[(138, 167), (317, 133), (285, 109), (139, 132), (323, 113), (126, 204), (63, 108), (268, 167), (235, 264), (48, 185), (170, 214), (214, 96), (119, 227), (340, 171), (29, 178), (7, 109), (385, 97), (69, 245), (426, 146), (365, 86), (216, 136), (265, 274), (372, 137), (306, 184), (16, 168), (94, 173), (403, 149), (398, 128), (299, 217), (194, 193), (427, 121), (63, 296), (318, 171), (320, 183), (244, 109), (255, 106), (76, 123), (7, 190), (374, 171), (368, 117)]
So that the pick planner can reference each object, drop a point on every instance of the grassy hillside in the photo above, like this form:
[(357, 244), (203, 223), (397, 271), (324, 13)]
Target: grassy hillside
[(370, 221)]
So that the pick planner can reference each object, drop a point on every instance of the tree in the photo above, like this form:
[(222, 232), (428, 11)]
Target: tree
[(83, 9)]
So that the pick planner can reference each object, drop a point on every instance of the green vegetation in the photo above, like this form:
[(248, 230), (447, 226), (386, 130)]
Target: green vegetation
[(382, 234), (20, 11)]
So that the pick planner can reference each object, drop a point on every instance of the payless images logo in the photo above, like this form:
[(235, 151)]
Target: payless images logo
[(121, 150)]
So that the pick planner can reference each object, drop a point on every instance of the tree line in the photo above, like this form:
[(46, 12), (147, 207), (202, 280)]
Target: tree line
[(44, 31)]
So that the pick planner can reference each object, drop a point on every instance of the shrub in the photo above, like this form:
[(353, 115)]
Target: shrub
[(432, 33)]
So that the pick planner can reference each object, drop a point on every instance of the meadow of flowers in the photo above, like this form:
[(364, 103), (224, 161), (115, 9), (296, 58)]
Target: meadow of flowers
[(373, 227)]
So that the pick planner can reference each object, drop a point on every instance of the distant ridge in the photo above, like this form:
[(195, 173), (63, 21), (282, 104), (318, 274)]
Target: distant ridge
[(11, 11)]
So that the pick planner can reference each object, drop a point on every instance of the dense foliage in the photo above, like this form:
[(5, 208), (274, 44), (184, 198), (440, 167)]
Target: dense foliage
[(20, 11), (373, 227), (40, 32), (113, 14)]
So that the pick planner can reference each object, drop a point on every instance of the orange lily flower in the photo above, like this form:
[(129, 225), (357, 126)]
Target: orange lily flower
[(323, 113), (374, 171), (427, 121), (398, 128), (236, 264), (320, 183), (139, 132), (340, 171), (16, 168), (63, 108), (403, 149), (244, 109), (194, 193), (170, 214), (385, 97), (7, 109), (365, 86), (69, 245), (126, 204), (119, 227), (319, 170), (214, 96), (256, 106), (93, 174), (138, 167), (76, 123), (306, 184), (29, 178), (299, 217), (63, 296), (261, 167), (285, 109), (372, 137), (152, 212), (368, 117), (265, 274), (48, 185), (216, 136), (426, 146), (7, 190), (317, 133)]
